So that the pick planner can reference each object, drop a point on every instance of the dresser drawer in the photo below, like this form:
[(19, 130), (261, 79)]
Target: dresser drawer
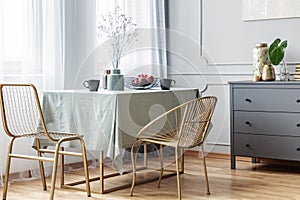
[(266, 99), (285, 124), (287, 148)]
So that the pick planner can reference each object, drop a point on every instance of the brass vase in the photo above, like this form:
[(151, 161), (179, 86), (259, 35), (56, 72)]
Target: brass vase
[(256, 78), (268, 73)]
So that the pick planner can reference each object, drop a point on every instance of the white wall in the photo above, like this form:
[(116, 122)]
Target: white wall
[(226, 53)]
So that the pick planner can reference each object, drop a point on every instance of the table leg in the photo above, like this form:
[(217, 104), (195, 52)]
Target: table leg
[(101, 172), (62, 168), (145, 156), (102, 176), (182, 161)]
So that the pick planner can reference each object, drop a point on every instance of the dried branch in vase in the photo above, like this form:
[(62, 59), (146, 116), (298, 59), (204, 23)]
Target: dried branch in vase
[(120, 31)]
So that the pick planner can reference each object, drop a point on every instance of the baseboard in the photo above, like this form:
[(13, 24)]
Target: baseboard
[(245, 159), (209, 155), (193, 153)]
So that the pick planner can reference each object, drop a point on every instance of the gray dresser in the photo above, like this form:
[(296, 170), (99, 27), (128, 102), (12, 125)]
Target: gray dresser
[(265, 120)]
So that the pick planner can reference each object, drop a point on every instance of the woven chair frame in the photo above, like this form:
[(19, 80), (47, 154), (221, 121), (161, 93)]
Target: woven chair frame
[(22, 117), (185, 126)]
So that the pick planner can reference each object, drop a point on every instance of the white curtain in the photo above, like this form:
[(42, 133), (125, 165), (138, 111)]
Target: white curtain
[(20, 60), (31, 51), (53, 43), (148, 54), (20, 41), (31, 42), (151, 52)]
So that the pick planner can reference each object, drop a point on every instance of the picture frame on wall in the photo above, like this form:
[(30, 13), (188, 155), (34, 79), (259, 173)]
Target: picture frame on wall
[(266, 9)]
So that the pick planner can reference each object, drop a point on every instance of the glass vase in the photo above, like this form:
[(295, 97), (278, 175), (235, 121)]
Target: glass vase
[(115, 80), (284, 72)]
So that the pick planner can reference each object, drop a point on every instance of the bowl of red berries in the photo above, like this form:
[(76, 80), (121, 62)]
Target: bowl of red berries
[(141, 82)]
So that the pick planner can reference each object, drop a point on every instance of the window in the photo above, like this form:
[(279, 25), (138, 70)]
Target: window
[(147, 55), (19, 45)]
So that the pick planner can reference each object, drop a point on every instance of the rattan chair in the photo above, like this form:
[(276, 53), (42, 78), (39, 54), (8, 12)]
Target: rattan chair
[(182, 127), (22, 118)]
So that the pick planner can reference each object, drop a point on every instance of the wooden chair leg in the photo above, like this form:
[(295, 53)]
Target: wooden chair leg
[(86, 171), (205, 170), (178, 175), (133, 170), (55, 163), (133, 160), (9, 151), (159, 152), (41, 165)]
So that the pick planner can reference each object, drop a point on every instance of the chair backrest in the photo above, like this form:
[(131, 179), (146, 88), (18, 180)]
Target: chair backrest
[(186, 124), (196, 120), (21, 110)]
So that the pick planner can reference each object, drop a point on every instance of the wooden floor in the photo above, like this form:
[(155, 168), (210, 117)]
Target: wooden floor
[(248, 181)]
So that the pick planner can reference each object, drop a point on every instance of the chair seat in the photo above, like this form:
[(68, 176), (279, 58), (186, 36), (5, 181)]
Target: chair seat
[(55, 135), (159, 139), (171, 142)]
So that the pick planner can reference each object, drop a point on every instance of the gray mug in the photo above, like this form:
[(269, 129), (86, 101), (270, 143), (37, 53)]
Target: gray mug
[(92, 84), (165, 84)]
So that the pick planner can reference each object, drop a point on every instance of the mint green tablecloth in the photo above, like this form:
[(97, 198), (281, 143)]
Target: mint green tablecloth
[(108, 120)]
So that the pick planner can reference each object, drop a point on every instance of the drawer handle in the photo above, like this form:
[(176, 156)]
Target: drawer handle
[(298, 125), (298, 149), (298, 100), (249, 100), (248, 145), (248, 123)]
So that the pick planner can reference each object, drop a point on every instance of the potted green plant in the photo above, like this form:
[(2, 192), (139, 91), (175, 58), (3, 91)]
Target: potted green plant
[(277, 50), (276, 56)]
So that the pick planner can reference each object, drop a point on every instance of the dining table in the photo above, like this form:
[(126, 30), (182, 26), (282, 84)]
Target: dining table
[(108, 120)]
